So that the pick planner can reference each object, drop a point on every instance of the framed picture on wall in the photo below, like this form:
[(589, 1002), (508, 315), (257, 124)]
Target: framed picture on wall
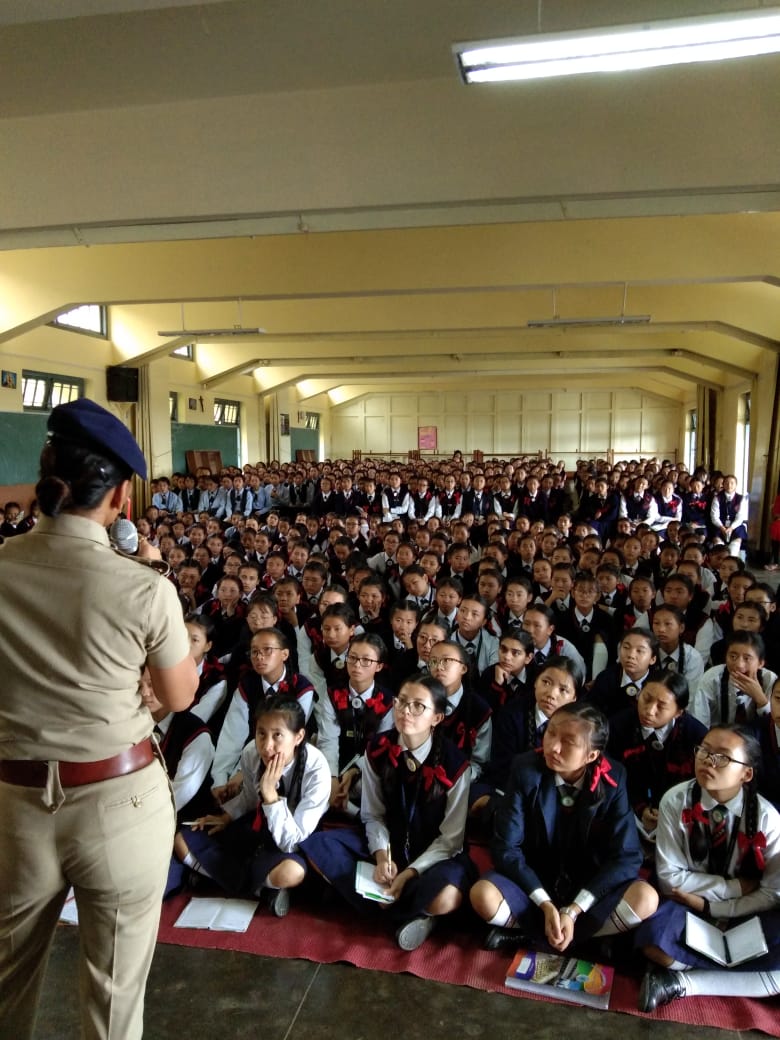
[(427, 438), (192, 404), (8, 380)]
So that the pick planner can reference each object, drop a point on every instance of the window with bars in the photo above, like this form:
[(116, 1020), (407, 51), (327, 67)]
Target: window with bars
[(309, 420), (91, 318), (226, 413), (173, 406), (42, 391), (186, 352)]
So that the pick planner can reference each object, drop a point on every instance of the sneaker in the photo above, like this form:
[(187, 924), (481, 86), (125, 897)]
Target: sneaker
[(279, 901), (414, 933)]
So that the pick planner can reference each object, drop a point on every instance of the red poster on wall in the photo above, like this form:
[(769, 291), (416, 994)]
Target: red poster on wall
[(427, 438)]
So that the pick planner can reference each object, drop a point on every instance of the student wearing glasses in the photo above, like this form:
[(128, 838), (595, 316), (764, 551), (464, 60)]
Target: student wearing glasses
[(354, 712), (468, 716), (413, 808), (718, 856)]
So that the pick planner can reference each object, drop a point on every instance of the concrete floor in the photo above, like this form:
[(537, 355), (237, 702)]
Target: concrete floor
[(205, 994)]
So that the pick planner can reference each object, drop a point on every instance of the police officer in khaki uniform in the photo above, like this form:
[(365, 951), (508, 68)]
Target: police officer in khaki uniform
[(84, 800)]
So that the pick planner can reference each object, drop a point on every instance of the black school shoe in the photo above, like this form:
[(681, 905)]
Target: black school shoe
[(659, 986), (414, 933), (508, 939)]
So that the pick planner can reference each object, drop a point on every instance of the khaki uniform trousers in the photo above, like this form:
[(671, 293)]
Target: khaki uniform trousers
[(112, 842)]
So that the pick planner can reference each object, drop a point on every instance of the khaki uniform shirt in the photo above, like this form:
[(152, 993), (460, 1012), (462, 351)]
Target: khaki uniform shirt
[(78, 622)]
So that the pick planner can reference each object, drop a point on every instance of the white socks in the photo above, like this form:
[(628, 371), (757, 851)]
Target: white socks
[(502, 918), (622, 919), (731, 983)]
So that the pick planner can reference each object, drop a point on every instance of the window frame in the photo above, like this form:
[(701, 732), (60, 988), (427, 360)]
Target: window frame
[(50, 380)]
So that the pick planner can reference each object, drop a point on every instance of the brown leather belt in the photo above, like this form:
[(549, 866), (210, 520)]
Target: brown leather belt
[(28, 773)]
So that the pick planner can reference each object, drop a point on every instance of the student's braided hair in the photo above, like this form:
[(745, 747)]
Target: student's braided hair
[(750, 864), (596, 778)]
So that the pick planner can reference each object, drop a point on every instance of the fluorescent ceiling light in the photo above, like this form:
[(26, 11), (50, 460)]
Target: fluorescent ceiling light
[(620, 48), (559, 323), (203, 333)]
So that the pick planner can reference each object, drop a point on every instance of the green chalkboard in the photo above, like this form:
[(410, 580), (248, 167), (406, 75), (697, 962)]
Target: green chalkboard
[(21, 438), (306, 440), (194, 437)]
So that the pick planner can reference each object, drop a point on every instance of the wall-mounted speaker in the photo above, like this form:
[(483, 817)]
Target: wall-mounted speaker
[(121, 383)]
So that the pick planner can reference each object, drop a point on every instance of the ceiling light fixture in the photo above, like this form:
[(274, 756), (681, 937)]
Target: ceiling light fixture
[(204, 333), (234, 330), (558, 323), (621, 48)]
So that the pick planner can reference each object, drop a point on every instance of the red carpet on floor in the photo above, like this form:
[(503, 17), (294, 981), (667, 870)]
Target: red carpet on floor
[(329, 935)]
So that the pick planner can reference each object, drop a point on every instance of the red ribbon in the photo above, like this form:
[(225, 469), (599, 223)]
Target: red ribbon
[(757, 843), (461, 733), (630, 752), (602, 770), (340, 700), (393, 750), (430, 774), (376, 704), (694, 815)]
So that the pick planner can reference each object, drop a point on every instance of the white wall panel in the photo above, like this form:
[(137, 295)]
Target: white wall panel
[(403, 433)]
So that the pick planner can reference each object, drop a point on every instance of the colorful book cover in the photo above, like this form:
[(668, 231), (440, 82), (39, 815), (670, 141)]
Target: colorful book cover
[(561, 978)]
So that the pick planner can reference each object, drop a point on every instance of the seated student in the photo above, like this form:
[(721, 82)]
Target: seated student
[(542, 580), (539, 623), (723, 567), (502, 683), (677, 591), (417, 587), (354, 712), (269, 652), (428, 634), (249, 575), (458, 566), (637, 658), (718, 856), (561, 582), (766, 597), (654, 739), (449, 593), (471, 635), (634, 565), (728, 515), (520, 724), (518, 594), (467, 720), (252, 845), (328, 658), (701, 604), (737, 691), (275, 569), (313, 581), (262, 612), (192, 594), (414, 808), (675, 654), (187, 748), (719, 624), (405, 558), (212, 685), (521, 558), (641, 604), (489, 586), (431, 564), (402, 653), (613, 594), (748, 617), (227, 613), (373, 597), (565, 848), (588, 629), (768, 731)]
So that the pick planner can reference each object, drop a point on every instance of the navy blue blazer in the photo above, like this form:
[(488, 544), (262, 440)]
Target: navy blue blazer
[(525, 847)]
